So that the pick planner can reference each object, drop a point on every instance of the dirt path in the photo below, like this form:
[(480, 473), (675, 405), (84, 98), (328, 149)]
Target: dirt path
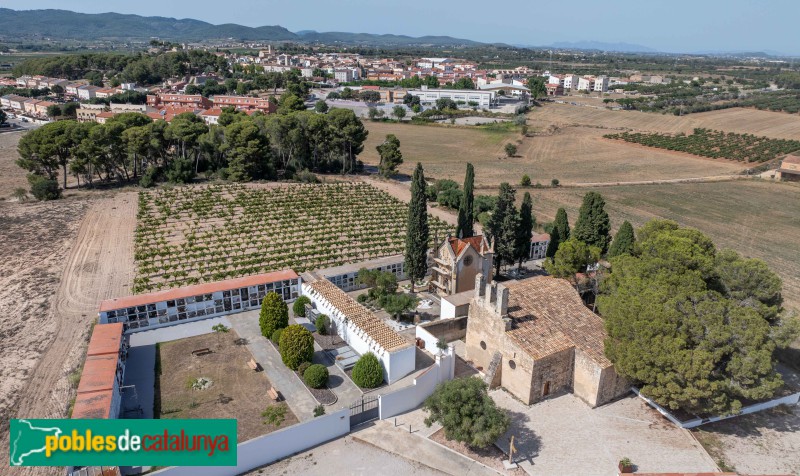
[(99, 266), (711, 178)]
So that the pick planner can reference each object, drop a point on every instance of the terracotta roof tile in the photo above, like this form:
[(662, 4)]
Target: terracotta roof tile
[(106, 339), (549, 316)]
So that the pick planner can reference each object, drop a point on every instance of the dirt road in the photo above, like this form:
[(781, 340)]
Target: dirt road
[(99, 265)]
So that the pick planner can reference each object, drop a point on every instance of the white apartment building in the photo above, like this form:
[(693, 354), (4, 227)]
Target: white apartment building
[(585, 83), (601, 84), (571, 81), (343, 75), (483, 98)]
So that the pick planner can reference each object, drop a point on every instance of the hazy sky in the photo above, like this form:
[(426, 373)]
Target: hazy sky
[(673, 25)]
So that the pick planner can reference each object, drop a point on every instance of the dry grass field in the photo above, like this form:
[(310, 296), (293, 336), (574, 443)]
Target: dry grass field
[(236, 390), (756, 218), (11, 176), (570, 154)]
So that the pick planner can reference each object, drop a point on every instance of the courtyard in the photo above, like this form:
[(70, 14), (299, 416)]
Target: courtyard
[(232, 388), (563, 435)]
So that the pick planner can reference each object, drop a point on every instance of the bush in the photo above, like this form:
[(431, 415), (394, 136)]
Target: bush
[(299, 306), (526, 181), (296, 346), (322, 324), (150, 176), (301, 369), (181, 171), (368, 371), (319, 410), (276, 336), (316, 376), (554, 182), (511, 150), (44, 188), (274, 314)]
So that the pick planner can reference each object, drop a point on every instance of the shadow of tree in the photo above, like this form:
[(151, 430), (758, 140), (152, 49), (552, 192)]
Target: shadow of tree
[(526, 442), (335, 381)]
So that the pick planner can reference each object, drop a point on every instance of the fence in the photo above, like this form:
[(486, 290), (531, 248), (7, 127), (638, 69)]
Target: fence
[(274, 446), (793, 399), (364, 410)]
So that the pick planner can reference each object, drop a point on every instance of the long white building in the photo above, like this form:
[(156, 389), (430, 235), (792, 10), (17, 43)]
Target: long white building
[(483, 98)]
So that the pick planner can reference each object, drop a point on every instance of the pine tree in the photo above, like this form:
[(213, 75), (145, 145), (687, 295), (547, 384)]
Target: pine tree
[(502, 227), (559, 234), (416, 260), (390, 155), (593, 225), (623, 240), (525, 229), (465, 210)]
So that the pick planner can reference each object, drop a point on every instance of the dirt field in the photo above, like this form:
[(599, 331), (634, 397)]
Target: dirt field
[(767, 442), (236, 390), (757, 218), (68, 256), (570, 154), (11, 176)]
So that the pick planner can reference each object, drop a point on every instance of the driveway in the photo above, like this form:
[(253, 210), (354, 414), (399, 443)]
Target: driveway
[(563, 435)]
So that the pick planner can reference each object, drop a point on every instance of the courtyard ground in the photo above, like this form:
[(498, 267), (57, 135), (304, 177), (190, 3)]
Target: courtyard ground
[(236, 390), (344, 457), (767, 442), (563, 435)]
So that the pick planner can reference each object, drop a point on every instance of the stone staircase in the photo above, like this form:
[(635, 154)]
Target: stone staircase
[(491, 375)]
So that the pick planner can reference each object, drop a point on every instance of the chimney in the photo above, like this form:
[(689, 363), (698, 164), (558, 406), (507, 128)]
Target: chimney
[(501, 306), (491, 294), (480, 285)]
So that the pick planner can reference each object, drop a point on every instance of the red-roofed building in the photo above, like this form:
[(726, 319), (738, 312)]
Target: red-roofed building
[(539, 243), (99, 390), (246, 103), (194, 101), (790, 168), (458, 261), (199, 301)]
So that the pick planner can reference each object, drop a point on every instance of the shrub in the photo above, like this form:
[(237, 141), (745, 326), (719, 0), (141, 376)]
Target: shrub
[(274, 314), (511, 149), (299, 306), (368, 371), (274, 415), (296, 346), (44, 188), (526, 181), (150, 176), (322, 324), (301, 369), (276, 336), (554, 182), (319, 410), (316, 376)]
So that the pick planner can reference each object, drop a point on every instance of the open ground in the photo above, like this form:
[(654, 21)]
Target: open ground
[(236, 390)]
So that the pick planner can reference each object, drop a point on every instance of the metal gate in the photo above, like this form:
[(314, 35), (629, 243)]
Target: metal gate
[(364, 410)]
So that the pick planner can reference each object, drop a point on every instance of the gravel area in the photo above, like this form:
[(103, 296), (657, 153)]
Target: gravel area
[(491, 456)]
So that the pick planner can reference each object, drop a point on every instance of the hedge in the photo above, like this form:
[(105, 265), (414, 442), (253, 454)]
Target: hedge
[(299, 306), (368, 371), (316, 376)]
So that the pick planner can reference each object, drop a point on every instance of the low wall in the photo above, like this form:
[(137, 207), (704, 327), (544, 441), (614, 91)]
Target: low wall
[(429, 339), (448, 329), (274, 446), (408, 398), (793, 399)]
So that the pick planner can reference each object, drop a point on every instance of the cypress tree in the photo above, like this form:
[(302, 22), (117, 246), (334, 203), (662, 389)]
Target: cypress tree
[(525, 229), (465, 213), (416, 260), (593, 225), (623, 240), (502, 227), (559, 234)]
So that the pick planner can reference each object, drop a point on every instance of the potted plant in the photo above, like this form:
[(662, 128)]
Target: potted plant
[(625, 465)]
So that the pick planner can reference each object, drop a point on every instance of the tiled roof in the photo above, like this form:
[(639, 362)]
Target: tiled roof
[(194, 290), (459, 244), (93, 405), (537, 237), (359, 315), (106, 339), (549, 316)]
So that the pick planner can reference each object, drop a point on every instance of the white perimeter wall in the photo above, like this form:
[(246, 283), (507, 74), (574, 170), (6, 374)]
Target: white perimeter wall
[(429, 339), (274, 446), (396, 365), (408, 398)]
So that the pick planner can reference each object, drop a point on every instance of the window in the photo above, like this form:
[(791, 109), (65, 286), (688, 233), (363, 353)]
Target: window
[(483, 345), (512, 364)]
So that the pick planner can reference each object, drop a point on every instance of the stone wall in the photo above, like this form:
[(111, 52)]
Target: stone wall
[(586, 380), (552, 373), (612, 385), (486, 334)]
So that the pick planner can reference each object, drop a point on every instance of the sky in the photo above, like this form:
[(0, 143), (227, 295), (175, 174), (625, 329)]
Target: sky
[(669, 26)]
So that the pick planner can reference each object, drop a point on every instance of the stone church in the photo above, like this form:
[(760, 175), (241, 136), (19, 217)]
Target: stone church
[(534, 337)]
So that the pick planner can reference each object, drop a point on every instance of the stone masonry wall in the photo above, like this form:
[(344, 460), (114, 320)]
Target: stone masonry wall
[(557, 369)]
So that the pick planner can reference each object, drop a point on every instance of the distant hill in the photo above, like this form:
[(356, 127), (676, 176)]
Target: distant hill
[(64, 24), (601, 46)]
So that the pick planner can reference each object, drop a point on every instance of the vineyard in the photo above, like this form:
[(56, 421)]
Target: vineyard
[(715, 144), (191, 235)]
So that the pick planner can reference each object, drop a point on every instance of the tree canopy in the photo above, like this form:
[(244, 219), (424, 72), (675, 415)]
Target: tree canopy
[(559, 233), (466, 412), (695, 327), (466, 217), (623, 240), (391, 157), (416, 256), (522, 240), (593, 225), (502, 227)]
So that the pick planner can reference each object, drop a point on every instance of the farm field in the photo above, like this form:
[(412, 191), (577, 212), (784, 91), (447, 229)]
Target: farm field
[(11, 176), (757, 218), (236, 391), (189, 235), (714, 144), (740, 120), (570, 154)]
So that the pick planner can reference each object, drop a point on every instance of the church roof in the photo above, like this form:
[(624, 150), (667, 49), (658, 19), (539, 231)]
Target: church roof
[(459, 244), (549, 317)]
